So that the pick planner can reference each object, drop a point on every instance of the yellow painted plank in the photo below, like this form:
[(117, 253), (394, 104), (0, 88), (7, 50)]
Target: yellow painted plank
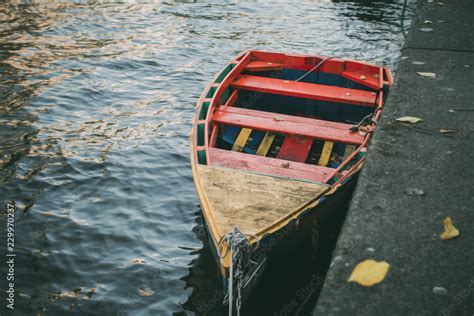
[(348, 151), (325, 154), (265, 144), (241, 139)]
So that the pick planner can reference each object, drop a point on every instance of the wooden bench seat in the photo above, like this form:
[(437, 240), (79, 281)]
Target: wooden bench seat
[(270, 166), (287, 124), (305, 90)]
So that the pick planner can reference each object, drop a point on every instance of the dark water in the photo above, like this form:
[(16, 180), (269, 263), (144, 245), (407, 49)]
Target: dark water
[(96, 102)]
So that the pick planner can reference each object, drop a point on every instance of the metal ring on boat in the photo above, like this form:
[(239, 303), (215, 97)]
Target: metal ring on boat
[(219, 244)]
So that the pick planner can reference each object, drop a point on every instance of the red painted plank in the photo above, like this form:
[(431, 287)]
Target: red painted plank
[(387, 76), (271, 166), (233, 97), (259, 65), (269, 56), (302, 62), (305, 90), (295, 148), (366, 79), (288, 125)]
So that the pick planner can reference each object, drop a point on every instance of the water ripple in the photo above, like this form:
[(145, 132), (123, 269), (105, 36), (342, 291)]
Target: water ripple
[(96, 108)]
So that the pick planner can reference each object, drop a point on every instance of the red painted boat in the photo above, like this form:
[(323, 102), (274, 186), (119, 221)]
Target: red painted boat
[(275, 138)]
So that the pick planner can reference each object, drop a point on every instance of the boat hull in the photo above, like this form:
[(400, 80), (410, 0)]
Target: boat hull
[(314, 226), (277, 144)]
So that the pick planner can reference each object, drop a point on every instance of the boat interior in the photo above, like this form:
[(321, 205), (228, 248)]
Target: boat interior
[(274, 132), (291, 116)]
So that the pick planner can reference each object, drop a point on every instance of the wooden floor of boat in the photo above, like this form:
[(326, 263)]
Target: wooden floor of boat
[(251, 201)]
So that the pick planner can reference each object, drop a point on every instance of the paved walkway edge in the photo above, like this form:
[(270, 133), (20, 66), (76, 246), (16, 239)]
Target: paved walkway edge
[(415, 176)]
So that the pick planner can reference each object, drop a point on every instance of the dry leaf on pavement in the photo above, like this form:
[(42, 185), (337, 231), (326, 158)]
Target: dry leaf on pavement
[(409, 119), (449, 230), (369, 272), (427, 74)]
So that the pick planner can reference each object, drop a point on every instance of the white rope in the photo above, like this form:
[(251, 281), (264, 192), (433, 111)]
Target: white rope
[(314, 68)]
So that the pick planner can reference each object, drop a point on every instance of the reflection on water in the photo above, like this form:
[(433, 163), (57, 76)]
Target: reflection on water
[(96, 106)]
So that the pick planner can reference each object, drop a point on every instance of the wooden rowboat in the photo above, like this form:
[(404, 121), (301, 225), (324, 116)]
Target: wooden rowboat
[(275, 137)]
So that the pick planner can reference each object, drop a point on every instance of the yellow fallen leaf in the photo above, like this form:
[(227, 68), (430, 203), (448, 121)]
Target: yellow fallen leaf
[(449, 230), (409, 119), (369, 272), (278, 118)]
